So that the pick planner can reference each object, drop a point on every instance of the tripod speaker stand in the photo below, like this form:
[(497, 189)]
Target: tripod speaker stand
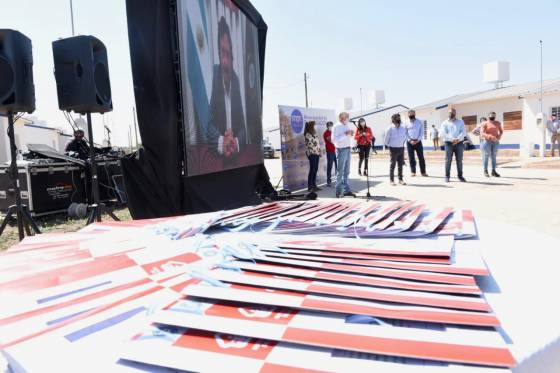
[(97, 208), (23, 217)]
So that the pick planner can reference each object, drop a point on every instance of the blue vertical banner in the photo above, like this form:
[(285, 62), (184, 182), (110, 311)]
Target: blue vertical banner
[(295, 165)]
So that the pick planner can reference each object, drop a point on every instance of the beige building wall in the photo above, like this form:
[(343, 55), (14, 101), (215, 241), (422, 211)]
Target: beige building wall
[(527, 136)]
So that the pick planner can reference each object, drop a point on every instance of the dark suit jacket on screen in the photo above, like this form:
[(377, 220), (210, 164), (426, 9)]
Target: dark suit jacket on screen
[(218, 119)]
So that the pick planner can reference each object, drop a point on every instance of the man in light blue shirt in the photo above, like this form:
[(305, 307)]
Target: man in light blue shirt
[(395, 137), (453, 133), (414, 135)]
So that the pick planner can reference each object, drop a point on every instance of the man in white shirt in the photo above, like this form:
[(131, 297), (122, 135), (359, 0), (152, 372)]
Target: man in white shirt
[(414, 135), (342, 136), (554, 130), (435, 137), (453, 133)]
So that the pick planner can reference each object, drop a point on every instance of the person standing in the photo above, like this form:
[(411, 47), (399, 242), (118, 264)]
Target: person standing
[(491, 132), (453, 134), (342, 139), (395, 137), (435, 137), (477, 132), (330, 151), (414, 135), (363, 139), (313, 152), (554, 130)]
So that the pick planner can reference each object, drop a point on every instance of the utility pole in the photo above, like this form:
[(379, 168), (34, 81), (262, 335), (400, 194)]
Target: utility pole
[(129, 140), (544, 118), (135, 129), (361, 106), (305, 80), (72, 17)]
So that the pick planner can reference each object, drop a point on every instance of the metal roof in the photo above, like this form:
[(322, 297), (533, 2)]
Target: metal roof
[(519, 90)]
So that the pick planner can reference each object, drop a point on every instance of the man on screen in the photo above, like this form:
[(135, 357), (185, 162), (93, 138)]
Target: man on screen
[(226, 130)]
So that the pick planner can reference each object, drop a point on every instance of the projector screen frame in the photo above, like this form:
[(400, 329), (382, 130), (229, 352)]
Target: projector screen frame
[(179, 57)]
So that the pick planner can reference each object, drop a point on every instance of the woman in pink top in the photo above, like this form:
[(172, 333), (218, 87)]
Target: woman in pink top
[(491, 132)]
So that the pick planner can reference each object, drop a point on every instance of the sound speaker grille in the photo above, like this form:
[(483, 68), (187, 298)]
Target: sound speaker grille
[(6, 79), (102, 85)]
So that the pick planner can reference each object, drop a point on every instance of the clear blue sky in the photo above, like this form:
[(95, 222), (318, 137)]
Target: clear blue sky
[(415, 51)]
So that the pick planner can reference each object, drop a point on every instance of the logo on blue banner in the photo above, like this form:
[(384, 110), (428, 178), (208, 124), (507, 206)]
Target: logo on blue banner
[(296, 120)]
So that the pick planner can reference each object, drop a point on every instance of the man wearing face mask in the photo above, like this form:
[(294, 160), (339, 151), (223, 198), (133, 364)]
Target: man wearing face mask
[(342, 136), (491, 131), (414, 135), (331, 152), (395, 137), (453, 134)]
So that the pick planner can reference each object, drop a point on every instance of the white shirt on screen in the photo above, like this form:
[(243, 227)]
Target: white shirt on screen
[(339, 137), (227, 100)]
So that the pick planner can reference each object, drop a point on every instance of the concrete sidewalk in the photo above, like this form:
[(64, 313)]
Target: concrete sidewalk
[(524, 197)]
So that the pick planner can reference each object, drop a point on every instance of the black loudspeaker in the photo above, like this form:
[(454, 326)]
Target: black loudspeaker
[(82, 75), (17, 92)]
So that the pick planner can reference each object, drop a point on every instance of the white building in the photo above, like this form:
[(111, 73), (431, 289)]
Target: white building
[(29, 130), (516, 106), (378, 120)]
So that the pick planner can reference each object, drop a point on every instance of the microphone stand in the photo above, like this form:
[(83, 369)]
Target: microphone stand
[(368, 195)]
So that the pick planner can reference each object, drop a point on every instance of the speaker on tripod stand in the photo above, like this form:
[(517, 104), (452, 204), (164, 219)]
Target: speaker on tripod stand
[(17, 94), (83, 86)]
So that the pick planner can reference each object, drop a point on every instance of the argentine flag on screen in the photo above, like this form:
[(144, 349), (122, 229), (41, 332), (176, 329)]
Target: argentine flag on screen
[(197, 52)]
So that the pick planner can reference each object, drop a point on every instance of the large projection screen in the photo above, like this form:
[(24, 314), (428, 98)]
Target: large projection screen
[(220, 82)]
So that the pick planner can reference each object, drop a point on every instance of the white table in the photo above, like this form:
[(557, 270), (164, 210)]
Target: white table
[(524, 291)]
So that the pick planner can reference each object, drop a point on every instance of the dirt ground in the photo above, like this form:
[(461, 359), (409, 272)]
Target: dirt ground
[(53, 223), (527, 195)]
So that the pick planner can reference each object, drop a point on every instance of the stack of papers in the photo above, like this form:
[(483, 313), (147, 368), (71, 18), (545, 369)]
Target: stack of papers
[(163, 295), (352, 219)]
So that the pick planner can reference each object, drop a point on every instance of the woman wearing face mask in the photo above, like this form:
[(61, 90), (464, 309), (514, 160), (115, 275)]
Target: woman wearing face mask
[(395, 137), (363, 139), (313, 152), (330, 151), (491, 132)]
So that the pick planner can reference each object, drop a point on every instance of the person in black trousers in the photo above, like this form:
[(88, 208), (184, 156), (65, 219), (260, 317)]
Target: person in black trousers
[(395, 137), (414, 135), (313, 152), (363, 140)]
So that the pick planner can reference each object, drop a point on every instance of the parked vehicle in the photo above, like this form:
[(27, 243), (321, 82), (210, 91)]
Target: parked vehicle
[(268, 149)]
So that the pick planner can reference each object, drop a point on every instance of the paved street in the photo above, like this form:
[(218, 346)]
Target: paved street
[(525, 197)]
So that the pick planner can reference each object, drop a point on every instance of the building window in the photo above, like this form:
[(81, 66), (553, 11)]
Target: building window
[(425, 130), (513, 120), (470, 122), (555, 111)]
